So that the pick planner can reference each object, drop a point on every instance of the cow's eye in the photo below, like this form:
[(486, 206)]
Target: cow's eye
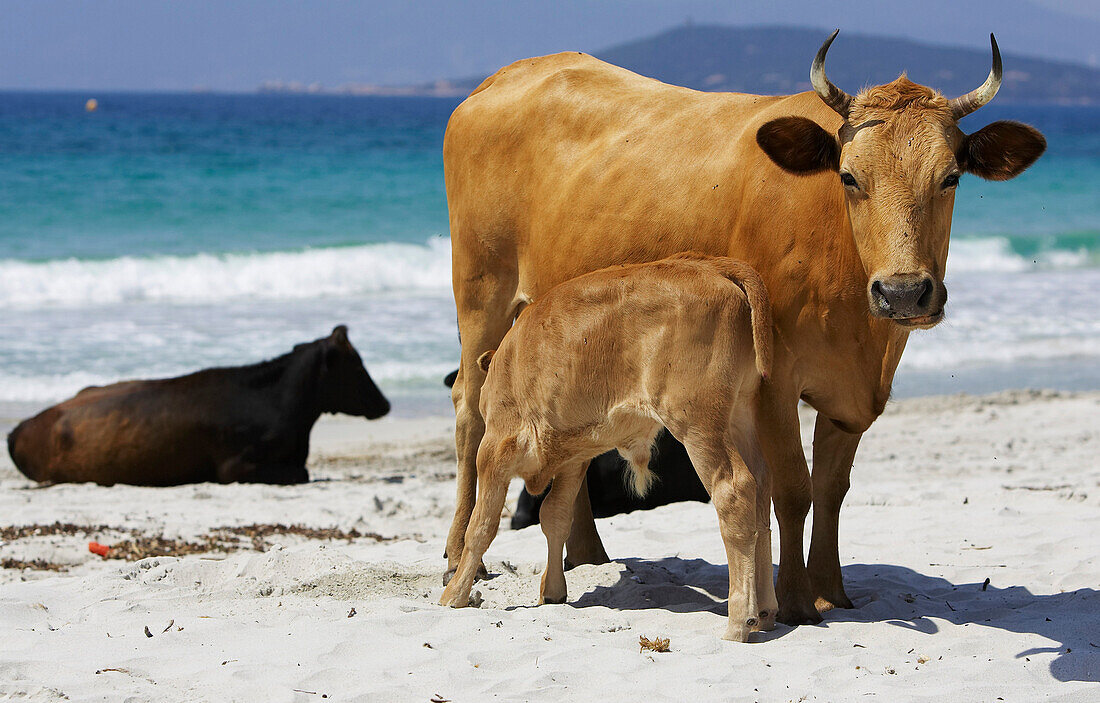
[(951, 181), (848, 180)]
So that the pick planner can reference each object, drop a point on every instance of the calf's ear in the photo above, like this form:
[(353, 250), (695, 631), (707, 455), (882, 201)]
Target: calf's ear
[(485, 359), (799, 145), (1000, 151)]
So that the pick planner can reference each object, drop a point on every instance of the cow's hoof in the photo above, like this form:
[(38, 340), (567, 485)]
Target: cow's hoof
[(482, 574), (798, 616), (552, 600), (595, 558)]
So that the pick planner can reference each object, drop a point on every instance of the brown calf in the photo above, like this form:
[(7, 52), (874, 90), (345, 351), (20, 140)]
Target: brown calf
[(604, 361)]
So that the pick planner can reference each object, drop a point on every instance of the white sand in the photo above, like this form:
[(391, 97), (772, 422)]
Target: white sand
[(947, 492)]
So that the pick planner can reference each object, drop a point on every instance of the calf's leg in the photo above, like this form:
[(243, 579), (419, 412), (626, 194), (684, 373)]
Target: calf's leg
[(733, 491), (765, 585), (834, 451), (556, 518), (482, 528)]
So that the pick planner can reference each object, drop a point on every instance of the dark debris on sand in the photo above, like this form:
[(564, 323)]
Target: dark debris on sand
[(256, 537)]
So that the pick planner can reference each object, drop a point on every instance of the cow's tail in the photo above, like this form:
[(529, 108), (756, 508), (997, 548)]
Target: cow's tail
[(748, 280)]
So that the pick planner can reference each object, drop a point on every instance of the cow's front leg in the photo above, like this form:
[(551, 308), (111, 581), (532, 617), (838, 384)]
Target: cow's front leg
[(781, 444), (485, 311), (584, 545), (834, 450)]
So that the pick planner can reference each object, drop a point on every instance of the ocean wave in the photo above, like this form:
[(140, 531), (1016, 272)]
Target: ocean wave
[(47, 388), (997, 254), (336, 272), (203, 278)]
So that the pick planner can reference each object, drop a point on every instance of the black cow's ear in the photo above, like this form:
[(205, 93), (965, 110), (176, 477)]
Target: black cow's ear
[(799, 145), (1002, 150), (340, 335)]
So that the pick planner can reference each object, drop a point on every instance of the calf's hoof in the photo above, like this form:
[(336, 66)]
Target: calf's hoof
[(739, 631), (452, 599), (473, 600), (765, 621), (552, 600)]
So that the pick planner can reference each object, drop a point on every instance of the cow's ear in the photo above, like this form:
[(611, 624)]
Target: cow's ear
[(1002, 150), (340, 335), (799, 145)]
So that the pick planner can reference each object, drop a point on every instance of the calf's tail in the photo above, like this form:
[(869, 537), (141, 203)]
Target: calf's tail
[(748, 280)]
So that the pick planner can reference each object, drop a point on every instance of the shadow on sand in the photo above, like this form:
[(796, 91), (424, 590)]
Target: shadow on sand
[(886, 593)]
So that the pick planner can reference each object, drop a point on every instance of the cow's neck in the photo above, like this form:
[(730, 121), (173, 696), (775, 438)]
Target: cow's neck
[(295, 392), (844, 359)]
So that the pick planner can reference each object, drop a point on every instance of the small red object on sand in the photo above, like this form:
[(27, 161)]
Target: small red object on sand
[(97, 548)]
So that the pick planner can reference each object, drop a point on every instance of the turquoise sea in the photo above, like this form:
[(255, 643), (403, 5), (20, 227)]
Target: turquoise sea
[(164, 233)]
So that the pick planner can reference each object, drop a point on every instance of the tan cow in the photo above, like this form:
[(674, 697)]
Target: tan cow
[(602, 362), (561, 165)]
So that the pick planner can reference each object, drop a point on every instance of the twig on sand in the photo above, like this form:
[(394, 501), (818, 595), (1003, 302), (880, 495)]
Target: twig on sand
[(654, 645)]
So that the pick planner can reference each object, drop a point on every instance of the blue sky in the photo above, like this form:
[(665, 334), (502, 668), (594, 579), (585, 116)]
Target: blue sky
[(237, 44)]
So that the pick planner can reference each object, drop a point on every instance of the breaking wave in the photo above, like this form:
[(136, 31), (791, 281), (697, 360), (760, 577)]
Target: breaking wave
[(334, 272), (204, 278)]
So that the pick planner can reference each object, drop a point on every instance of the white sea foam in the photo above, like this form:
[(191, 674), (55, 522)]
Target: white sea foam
[(326, 273), (69, 324), (311, 273), (996, 254)]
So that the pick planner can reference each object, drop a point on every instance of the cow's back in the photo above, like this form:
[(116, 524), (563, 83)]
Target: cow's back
[(136, 432), (565, 164)]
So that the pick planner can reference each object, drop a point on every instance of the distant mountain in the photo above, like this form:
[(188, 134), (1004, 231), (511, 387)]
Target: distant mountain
[(776, 61)]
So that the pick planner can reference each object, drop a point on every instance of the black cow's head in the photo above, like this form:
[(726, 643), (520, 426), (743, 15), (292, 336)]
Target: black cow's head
[(345, 385)]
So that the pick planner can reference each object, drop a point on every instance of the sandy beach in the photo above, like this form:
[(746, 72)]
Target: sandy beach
[(969, 544)]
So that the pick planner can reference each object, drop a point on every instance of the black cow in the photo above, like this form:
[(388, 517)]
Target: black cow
[(241, 423), (608, 484)]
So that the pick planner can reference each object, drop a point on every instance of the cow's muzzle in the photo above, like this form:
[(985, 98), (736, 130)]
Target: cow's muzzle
[(911, 300)]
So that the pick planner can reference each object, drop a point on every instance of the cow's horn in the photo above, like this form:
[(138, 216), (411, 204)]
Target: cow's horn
[(965, 104), (834, 97)]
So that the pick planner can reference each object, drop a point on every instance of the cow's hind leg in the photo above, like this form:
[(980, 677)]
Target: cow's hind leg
[(781, 445), (485, 301), (584, 545), (834, 451), (556, 518)]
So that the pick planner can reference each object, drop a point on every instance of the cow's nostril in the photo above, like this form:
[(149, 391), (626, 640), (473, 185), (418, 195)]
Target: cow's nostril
[(925, 299), (879, 296)]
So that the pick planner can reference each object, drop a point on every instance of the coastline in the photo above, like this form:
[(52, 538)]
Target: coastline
[(947, 491)]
